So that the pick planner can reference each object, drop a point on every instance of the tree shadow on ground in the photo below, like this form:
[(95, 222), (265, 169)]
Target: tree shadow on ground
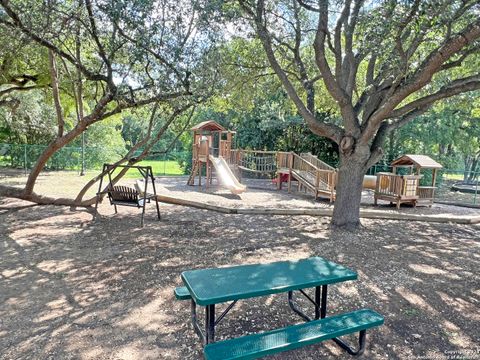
[(71, 286)]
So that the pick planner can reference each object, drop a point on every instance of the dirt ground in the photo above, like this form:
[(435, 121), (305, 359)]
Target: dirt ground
[(260, 194), (75, 288), (263, 194)]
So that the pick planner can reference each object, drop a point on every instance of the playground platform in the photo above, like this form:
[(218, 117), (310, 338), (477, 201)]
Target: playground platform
[(262, 197)]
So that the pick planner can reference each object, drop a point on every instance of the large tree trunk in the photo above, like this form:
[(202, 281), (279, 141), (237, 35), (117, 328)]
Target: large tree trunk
[(352, 169), (51, 149)]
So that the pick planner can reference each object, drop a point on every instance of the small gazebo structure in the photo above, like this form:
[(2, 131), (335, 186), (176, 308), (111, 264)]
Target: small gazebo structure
[(426, 194), (398, 188)]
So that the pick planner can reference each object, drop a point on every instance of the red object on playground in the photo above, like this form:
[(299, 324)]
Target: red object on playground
[(283, 178)]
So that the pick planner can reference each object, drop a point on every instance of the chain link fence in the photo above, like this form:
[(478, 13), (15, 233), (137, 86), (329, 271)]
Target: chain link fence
[(453, 186), (23, 157)]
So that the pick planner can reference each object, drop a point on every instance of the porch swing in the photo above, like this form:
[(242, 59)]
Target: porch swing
[(120, 195)]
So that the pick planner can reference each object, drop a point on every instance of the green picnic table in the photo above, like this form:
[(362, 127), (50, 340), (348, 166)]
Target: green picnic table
[(209, 287)]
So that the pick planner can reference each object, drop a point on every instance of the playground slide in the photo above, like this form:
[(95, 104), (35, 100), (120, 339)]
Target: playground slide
[(226, 176)]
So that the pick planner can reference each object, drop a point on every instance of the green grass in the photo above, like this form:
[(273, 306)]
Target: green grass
[(163, 167), (453, 176), (159, 167), (3, 161)]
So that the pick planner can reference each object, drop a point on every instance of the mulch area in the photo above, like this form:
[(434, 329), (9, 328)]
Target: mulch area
[(263, 194), (74, 288)]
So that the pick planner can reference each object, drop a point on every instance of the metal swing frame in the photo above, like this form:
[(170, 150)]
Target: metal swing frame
[(126, 196)]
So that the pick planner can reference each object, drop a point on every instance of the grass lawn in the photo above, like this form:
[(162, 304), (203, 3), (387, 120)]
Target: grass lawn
[(163, 167), (159, 167)]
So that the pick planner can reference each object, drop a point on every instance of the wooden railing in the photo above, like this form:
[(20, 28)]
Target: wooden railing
[(304, 167), (225, 149), (320, 177), (201, 149), (254, 160), (284, 160), (322, 180), (316, 161), (402, 186), (426, 192)]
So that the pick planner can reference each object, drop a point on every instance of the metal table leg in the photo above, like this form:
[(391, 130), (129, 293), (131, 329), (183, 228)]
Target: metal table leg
[(362, 335), (323, 306), (210, 323), (196, 326), (317, 303), (207, 335), (361, 344)]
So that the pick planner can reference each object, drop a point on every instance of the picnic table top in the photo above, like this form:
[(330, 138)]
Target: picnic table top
[(217, 285)]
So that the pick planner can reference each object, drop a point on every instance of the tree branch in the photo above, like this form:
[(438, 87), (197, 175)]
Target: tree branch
[(454, 88), (351, 122), (423, 76), (328, 130), (18, 24), (55, 92)]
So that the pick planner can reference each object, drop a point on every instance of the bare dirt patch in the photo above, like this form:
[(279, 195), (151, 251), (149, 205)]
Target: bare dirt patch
[(73, 288)]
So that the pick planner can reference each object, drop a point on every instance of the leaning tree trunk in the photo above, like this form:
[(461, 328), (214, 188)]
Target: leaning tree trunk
[(51, 149), (352, 169)]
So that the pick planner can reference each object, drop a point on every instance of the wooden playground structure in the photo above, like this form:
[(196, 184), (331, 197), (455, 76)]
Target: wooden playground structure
[(400, 189), (212, 145), (213, 154), (309, 172)]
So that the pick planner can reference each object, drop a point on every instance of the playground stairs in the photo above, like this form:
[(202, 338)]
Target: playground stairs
[(311, 173), (314, 175)]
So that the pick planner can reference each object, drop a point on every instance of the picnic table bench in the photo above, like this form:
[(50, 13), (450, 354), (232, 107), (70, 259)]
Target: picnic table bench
[(209, 287)]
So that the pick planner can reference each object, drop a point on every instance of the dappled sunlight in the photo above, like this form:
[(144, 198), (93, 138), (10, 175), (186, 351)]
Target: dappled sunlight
[(416, 300), (56, 266), (348, 290), (136, 350), (315, 235), (373, 287), (279, 253), (461, 305), (93, 352), (455, 335), (12, 274), (427, 269), (149, 316), (105, 288), (53, 310)]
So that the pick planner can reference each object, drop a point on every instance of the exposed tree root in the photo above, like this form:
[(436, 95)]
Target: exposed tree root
[(13, 192)]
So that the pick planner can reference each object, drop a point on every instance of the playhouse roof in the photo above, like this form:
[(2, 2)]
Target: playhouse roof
[(422, 161), (209, 125)]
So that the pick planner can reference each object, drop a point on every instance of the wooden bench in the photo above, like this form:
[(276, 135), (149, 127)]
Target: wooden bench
[(123, 195), (294, 337)]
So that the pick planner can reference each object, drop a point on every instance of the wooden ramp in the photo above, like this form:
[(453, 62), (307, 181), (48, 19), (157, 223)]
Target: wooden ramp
[(313, 175)]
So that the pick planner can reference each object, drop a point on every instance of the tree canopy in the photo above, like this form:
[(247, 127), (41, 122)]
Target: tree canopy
[(349, 80), (381, 74)]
